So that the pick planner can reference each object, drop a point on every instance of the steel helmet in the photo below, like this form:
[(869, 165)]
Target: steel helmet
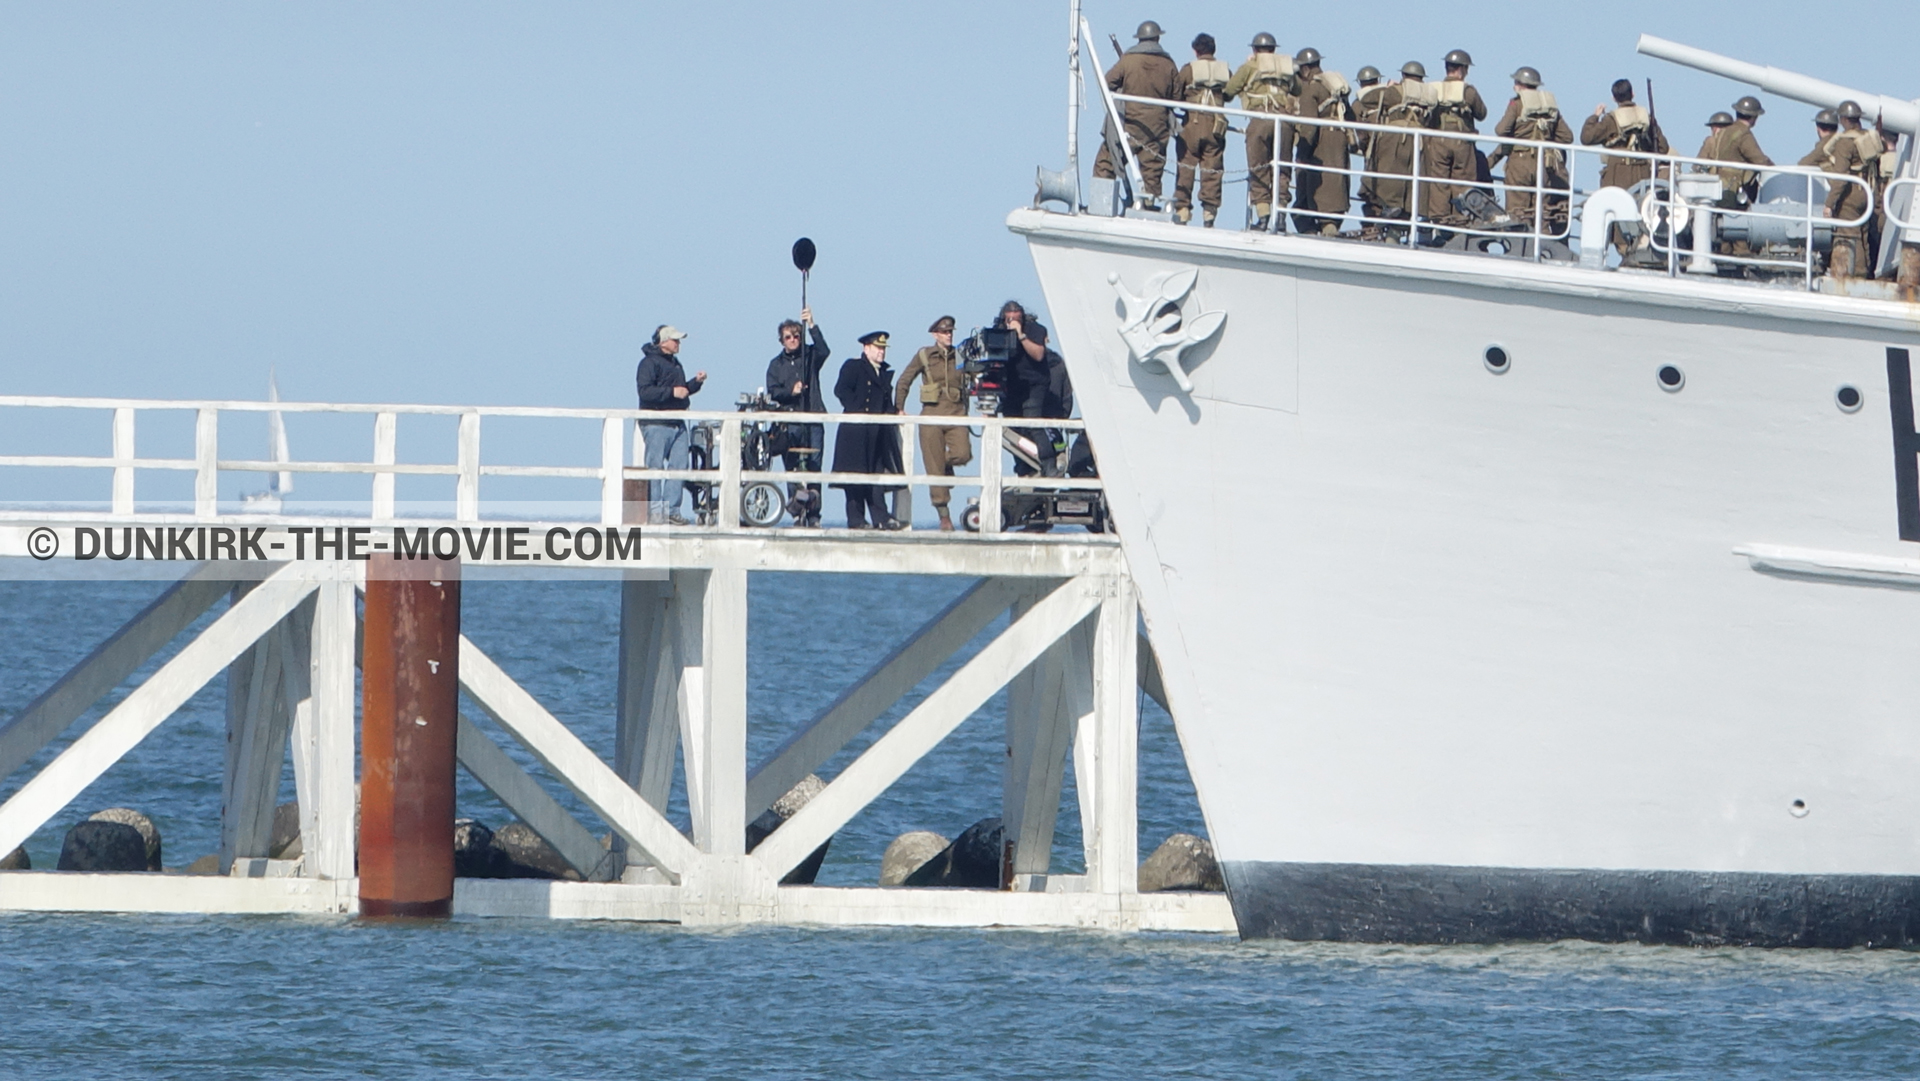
[(1149, 31), (1459, 58), (1414, 68), (1720, 119), (1850, 110), (1826, 118), (1264, 40), (1528, 78), (1749, 106), (1307, 56), (1368, 74)]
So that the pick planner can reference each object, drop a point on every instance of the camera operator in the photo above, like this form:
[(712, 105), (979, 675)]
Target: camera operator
[(1031, 377), (793, 381)]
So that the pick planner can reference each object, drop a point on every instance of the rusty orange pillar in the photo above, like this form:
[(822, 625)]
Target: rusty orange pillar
[(410, 688)]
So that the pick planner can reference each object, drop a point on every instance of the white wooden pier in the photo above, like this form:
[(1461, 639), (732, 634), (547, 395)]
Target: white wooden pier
[(1071, 658)]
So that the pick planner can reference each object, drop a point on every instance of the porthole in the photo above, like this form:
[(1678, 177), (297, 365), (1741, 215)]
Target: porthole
[(1798, 808), (1671, 378), (1848, 398), (1497, 359)]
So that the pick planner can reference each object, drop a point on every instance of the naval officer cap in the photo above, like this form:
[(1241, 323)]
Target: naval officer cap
[(942, 325), (874, 337)]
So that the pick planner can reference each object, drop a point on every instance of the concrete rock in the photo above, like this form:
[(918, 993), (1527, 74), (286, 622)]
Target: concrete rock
[(474, 854), (784, 808), (149, 833), (103, 846), (908, 853), (1182, 862), (285, 844), (205, 865), (972, 861), (526, 854), (17, 860)]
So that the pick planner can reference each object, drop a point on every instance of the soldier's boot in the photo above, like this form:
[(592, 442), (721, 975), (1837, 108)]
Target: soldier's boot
[(1207, 215), (1840, 263), (1183, 214), (1258, 223)]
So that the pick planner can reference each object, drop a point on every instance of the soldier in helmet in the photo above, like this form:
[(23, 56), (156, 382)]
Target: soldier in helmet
[(1202, 141), (1266, 83), (1370, 107), (1836, 153), (1144, 71), (1626, 126), (1454, 163), (1731, 139), (1534, 114), (1405, 104), (1324, 191), (1874, 159)]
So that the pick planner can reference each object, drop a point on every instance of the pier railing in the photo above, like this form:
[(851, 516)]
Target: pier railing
[(606, 438)]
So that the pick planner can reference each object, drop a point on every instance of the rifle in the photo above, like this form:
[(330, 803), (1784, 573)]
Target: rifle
[(1653, 123), (1117, 50)]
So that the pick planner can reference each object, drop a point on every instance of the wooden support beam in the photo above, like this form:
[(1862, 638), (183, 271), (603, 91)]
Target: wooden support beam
[(921, 730), (647, 728), (111, 662), (573, 764), (1040, 723), (513, 786), (152, 702), (259, 715), (714, 641), (1149, 676), (1110, 735), (874, 693), (323, 758)]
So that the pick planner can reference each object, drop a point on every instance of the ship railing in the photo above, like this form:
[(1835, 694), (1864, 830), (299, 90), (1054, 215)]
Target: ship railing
[(602, 444), (1898, 218), (1658, 201)]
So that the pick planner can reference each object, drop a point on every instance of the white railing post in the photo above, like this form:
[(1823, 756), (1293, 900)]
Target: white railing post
[(992, 457), (123, 456), (1413, 195), (611, 460), (729, 452), (384, 425), (467, 490), (206, 464)]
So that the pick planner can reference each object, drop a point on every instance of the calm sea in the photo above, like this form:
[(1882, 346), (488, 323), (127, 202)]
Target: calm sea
[(94, 996)]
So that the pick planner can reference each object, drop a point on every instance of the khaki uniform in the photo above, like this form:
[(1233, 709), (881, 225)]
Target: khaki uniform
[(1839, 153), (1627, 127), (1266, 84), (1145, 71), (1202, 141), (1876, 161), (1324, 191), (943, 393), (1393, 154), (1459, 107), (1534, 114), (1736, 143), (1370, 107)]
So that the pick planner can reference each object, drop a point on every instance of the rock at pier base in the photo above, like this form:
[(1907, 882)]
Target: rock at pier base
[(149, 833), (103, 847), (908, 853), (525, 854), (205, 865), (1182, 862), (17, 860), (972, 861), (285, 843), (784, 808), (474, 854)]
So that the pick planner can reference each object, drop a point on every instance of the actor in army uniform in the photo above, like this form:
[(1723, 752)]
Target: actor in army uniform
[(1875, 160), (1369, 107), (1455, 163), (1202, 141), (1731, 139), (1534, 114), (1626, 126), (1266, 84), (1323, 94), (1145, 71), (943, 393), (1403, 105), (1838, 153)]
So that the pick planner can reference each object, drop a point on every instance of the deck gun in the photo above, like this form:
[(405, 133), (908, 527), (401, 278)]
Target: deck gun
[(1897, 116)]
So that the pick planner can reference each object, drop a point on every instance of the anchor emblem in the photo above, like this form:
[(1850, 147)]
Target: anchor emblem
[(1157, 328)]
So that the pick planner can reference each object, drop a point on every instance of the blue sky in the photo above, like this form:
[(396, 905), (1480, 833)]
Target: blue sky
[(495, 203)]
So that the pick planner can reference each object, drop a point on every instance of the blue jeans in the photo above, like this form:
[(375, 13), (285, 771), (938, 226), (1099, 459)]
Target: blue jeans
[(666, 445)]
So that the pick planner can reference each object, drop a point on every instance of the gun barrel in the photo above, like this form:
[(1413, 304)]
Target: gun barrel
[(1900, 116)]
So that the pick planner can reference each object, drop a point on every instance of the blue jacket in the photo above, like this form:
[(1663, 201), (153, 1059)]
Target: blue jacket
[(659, 373)]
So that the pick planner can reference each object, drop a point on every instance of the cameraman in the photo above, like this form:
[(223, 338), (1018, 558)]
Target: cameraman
[(1031, 379), (793, 382)]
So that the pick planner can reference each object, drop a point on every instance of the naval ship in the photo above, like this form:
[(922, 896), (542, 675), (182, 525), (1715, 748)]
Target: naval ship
[(1509, 587)]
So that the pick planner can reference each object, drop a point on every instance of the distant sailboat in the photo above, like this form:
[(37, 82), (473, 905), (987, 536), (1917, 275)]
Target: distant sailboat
[(278, 484)]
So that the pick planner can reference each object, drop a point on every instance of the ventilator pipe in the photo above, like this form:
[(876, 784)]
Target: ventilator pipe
[(1603, 210), (1900, 116)]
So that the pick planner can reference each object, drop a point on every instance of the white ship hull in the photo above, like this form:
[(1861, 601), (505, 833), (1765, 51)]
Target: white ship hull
[(1465, 656)]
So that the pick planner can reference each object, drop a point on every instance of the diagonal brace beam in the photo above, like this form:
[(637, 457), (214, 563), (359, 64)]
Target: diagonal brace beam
[(573, 763), (893, 754), (113, 661), (523, 795), (876, 692), (152, 702)]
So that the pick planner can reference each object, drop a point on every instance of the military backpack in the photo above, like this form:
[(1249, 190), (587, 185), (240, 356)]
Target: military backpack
[(1272, 85)]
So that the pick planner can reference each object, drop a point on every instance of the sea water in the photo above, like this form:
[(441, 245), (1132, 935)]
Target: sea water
[(174, 996)]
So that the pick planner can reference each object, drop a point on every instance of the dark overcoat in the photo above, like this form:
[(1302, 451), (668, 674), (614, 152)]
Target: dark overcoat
[(866, 448)]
